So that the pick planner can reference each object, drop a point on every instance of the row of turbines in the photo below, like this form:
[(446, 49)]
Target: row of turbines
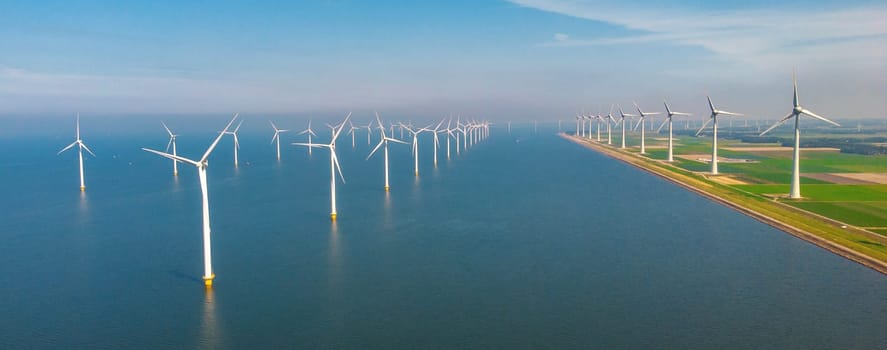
[(463, 134), (796, 112)]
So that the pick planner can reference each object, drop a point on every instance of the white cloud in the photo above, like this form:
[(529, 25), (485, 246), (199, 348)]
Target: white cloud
[(761, 37), (561, 37)]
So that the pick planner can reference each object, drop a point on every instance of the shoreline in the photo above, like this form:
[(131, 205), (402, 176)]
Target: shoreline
[(698, 186)]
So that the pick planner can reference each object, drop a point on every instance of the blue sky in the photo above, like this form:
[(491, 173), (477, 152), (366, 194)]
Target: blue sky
[(516, 59)]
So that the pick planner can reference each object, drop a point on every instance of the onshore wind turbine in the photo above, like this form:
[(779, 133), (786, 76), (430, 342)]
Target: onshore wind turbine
[(334, 162), (610, 122), (641, 124), (276, 137), (714, 143), (201, 164), (384, 142), (668, 118), (622, 115), (797, 110), (172, 142), (80, 147), (236, 141)]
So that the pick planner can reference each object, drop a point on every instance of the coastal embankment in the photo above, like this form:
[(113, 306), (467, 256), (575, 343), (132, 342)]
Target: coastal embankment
[(864, 247)]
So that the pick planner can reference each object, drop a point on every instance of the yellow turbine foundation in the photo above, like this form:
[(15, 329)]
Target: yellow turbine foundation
[(386, 188), (333, 216), (82, 188), (208, 280)]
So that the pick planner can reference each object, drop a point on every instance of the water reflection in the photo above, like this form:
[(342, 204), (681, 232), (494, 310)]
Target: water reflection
[(209, 337), (335, 276)]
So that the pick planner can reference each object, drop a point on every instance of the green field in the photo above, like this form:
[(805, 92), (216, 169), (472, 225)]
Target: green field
[(863, 206)]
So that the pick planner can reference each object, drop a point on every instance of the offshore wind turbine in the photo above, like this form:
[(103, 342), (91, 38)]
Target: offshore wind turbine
[(353, 132), (641, 124), (201, 165), (450, 134), (384, 142), (668, 119), (80, 147), (714, 143), (236, 141), (434, 132), (369, 128), (310, 133), (172, 142), (334, 163), (415, 148), (797, 110), (622, 121), (276, 137)]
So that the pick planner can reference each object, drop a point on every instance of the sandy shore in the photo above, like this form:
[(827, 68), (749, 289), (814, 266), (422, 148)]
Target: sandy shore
[(699, 186)]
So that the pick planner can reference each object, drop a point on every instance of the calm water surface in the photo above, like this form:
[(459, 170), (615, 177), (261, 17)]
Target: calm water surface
[(526, 241)]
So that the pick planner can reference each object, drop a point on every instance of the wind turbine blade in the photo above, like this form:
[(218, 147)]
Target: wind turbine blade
[(731, 113), (168, 144), (87, 148), (338, 168), (396, 140), (665, 121), (704, 125), (315, 145), (375, 149), (780, 122), (667, 110), (814, 115), (711, 104), (216, 141), (276, 135), (170, 156), (67, 148), (236, 141), (681, 113), (381, 126), (238, 126), (640, 121), (167, 129), (342, 126)]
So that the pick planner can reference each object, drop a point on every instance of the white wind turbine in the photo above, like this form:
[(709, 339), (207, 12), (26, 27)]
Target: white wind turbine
[(310, 133), (610, 122), (434, 132), (714, 143), (201, 165), (334, 163), (668, 118), (622, 121), (797, 110), (578, 120), (369, 128), (353, 132), (276, 137), (384, 142), (80, 147), (450, 134), (415, 148), (641, 124), (236, 141), (172, 142)]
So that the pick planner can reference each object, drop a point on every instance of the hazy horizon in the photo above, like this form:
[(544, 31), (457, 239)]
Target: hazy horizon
[(496, 59)]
